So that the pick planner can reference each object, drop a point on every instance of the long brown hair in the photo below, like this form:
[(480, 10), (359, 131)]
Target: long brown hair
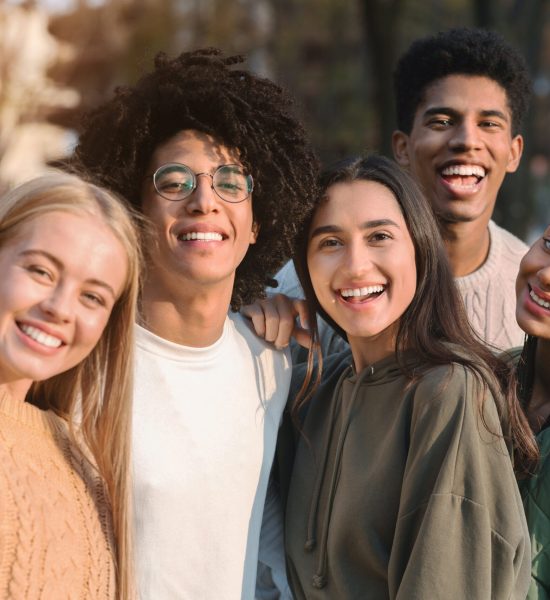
[(95, 396), (435, 323)]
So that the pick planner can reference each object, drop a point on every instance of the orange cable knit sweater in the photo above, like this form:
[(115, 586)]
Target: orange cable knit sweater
[(56, 538)]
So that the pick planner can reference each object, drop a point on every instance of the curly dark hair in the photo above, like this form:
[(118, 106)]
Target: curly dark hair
[(200, 90), (462, 51)]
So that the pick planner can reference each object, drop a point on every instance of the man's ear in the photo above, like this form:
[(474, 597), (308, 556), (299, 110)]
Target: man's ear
[(516, 150), (400, 145), (254, 232)]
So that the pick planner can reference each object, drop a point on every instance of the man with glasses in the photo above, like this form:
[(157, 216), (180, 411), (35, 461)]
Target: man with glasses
[(215, 161)]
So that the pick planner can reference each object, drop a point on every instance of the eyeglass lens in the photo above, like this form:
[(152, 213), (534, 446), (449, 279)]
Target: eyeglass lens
[(176, 182)]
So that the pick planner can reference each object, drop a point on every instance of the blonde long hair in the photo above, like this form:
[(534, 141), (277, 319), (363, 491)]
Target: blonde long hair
[(97, 393)]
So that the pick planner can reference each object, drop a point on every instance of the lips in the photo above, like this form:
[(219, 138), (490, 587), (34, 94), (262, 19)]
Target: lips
[(466, 176), (40, 336), (361, 294), (540, 301), (200, 232), (208, 236)]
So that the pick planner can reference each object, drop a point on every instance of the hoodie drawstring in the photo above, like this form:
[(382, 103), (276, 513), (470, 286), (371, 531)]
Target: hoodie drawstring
[(311, 540)]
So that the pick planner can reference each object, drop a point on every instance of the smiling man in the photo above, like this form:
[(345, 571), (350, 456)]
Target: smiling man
[(461, 97), (215, 161)]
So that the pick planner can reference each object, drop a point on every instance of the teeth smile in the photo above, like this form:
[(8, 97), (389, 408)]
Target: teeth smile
[(538, 300), (464, 170), (39, 336), (364, 291), (208, 236)]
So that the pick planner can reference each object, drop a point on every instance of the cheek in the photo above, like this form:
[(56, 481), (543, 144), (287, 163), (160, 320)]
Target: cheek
[(18, 293), (90, 329), (156, 212), (526, 267), (407, 267), (320, 272), (314, 270)]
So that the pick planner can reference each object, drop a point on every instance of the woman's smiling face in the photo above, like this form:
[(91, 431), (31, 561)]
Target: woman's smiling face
[(533, 289), (361, 261), (61, 276)]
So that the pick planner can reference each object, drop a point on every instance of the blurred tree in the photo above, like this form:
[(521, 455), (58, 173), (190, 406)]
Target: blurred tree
[(380, 21), (336, 56), (28, 93)]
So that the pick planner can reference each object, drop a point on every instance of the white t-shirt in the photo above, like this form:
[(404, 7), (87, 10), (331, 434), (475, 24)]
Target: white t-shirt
[(204, 432)]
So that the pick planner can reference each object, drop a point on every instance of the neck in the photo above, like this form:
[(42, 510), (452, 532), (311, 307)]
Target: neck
[(367, 351), (188, 315), (467, 246), (16, 389)]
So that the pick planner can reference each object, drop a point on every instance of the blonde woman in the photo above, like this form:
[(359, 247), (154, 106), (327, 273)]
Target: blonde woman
[(69, 261)]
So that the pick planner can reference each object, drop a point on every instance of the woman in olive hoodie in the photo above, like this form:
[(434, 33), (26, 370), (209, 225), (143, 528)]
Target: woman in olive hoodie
[(401, 486)]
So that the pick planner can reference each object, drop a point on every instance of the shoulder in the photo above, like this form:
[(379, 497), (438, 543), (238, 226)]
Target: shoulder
[(288, 281), (453, 392), (242, 331), (511, 247), (511, 356), (536, 493), (333, 366)]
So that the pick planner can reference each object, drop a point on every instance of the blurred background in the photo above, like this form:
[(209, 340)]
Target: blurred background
[(60, 58)]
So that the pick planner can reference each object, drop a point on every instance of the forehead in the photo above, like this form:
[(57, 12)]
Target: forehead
[(465, 93), (358, 201), (194, 149)]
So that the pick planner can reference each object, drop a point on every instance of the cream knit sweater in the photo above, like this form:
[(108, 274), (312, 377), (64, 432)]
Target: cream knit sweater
[(56, 538)]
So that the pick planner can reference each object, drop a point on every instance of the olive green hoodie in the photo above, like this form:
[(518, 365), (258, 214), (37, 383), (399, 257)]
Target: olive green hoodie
[(399, 491)]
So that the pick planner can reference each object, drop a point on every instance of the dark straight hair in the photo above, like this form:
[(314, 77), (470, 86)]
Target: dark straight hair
[(435, 324)]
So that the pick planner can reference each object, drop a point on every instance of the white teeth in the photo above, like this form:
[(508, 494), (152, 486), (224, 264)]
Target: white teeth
[(208, 236), (364, 291), (464, 170), (39, 336), (538, 300)]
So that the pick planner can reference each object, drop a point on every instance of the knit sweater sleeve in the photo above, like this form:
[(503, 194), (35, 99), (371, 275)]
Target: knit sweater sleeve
[(461, 531)]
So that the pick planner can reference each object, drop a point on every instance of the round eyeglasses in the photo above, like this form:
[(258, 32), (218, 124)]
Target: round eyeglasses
[(175, 181)]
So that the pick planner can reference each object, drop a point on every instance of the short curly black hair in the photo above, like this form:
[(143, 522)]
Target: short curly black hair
[(201, 90), (461, 51)]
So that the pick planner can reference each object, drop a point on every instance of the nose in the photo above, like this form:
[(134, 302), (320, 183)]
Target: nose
[(58, 306), (203, 199), (358, 260), (465, 136)]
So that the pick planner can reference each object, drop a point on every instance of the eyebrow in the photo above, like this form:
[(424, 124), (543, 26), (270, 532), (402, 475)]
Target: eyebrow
[(60, 266), (447, 110), (366, 225)]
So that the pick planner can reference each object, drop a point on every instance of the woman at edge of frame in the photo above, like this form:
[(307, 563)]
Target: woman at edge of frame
[(532, 362), (70, 262)]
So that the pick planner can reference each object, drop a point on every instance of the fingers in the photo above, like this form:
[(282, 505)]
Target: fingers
[(256, 314), (274, 319), (279, 320)]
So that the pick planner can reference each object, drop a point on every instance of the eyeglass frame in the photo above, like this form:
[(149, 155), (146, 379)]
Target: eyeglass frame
[(196, 176)]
